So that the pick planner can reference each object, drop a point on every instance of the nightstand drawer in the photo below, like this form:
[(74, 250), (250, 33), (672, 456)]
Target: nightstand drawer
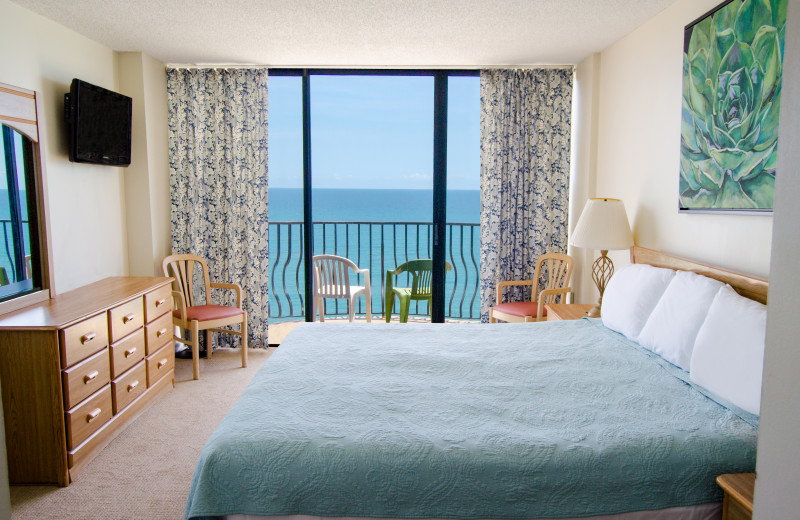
[(126, 318), (83, 339), (85, 378), (126, 353)]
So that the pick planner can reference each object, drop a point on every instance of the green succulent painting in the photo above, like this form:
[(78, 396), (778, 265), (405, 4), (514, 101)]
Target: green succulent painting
[(732, 64)]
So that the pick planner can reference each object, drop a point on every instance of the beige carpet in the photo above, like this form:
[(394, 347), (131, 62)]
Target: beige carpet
[(146, 471)]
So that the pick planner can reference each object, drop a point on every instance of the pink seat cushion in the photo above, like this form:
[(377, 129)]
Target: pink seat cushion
[(520, 309), (208, 312)]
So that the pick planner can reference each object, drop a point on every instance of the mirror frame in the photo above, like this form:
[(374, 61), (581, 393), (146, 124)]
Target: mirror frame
[(19, 109)]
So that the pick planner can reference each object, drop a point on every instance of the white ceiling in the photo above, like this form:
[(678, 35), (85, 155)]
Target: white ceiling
[(355, 33)]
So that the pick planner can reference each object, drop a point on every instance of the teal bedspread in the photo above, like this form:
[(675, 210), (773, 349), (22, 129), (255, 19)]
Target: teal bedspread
[(510, 421)]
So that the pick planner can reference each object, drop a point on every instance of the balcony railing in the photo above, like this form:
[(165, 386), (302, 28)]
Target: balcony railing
[(377, 246), (7, 250)]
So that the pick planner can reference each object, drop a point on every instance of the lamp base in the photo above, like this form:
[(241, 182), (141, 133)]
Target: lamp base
[(602, 270)]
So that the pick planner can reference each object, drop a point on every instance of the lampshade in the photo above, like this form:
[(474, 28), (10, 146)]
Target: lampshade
[(603, 225)]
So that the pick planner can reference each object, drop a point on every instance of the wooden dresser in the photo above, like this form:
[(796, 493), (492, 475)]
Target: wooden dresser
[(76, 368)]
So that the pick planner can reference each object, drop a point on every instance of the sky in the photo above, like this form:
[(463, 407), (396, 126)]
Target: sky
[(372, 132)]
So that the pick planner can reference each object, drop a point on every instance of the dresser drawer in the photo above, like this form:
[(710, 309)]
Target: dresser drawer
[(87, 377), (86, 418), (159, 333), (157, 302), (128, 387), (126, 353), (83, 339), (126, 318), (159, 363)]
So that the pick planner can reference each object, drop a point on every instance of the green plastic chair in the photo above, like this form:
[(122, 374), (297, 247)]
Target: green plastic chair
[(420, 286)]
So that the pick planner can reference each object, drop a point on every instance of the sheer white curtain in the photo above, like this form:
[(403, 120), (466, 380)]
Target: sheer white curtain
[(525, 165), (218, 179)]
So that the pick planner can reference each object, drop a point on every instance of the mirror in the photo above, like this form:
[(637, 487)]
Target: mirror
[(19, 262)]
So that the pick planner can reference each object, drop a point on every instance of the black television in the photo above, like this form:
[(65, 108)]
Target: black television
[(99, 123)]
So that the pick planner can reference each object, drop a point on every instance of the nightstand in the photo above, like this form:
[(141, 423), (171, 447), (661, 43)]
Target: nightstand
[(738, 501), (567, 311)]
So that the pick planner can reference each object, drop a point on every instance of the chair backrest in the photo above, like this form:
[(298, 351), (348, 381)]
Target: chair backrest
[(182, 269), (557, 268), (421, 275), (332, 276)]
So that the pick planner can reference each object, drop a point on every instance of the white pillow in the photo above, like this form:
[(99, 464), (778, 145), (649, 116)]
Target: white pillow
[(728, 355), (672, 327), (631, 295)]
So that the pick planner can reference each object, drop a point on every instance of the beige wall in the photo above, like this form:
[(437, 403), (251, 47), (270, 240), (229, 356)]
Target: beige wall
[(87, 217), (147, 178), (583, 173), (155, 82), (778, 465), (638, 137)]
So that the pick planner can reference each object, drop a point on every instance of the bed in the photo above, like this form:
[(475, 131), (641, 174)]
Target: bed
[(513, 421)]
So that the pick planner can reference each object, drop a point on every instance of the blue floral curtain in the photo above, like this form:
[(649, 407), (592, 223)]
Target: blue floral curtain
[(525, 152), (218, 180)]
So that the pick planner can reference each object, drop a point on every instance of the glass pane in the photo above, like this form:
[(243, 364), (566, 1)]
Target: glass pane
[(463, 198), (287, 279), (16, 260), (372, 160)]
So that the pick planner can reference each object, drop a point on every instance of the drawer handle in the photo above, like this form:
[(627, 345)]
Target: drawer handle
[(86, 338), (160, 302), (162, 363), (88, 378), (161, 333), (130, 352), (129, 317), (132, 386), (93, 415)]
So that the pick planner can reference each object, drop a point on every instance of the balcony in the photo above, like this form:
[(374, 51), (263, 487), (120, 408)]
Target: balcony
[(377, 246)]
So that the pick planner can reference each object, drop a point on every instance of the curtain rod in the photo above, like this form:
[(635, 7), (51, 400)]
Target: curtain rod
[(365, 67)]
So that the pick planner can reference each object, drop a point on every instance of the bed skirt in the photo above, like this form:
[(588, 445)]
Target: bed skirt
[(711, 511)]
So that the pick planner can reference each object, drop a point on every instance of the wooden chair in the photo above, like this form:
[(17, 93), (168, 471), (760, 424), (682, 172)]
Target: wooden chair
[(421, 275), (195, 317), (332, 280), (558, 268)]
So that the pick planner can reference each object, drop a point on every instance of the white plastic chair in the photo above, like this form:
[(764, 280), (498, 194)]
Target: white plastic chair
[(332, 280)]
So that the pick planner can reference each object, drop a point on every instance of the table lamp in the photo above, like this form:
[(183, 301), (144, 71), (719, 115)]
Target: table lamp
[(603, 225)]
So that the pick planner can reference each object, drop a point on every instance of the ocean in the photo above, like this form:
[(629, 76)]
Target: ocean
[(378, 230), (346, 205)]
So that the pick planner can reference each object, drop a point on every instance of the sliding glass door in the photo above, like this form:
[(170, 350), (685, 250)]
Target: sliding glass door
[(463, 235), (372, 156), (374, 187)]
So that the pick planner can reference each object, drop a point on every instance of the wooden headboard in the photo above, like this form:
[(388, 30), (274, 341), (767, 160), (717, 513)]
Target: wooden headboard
[(748, 286)]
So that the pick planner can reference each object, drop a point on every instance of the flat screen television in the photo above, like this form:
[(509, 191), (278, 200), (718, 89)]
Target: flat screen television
[(99, 123)]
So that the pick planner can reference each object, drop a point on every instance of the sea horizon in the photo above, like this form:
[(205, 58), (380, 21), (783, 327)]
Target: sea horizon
[(372, 205)]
